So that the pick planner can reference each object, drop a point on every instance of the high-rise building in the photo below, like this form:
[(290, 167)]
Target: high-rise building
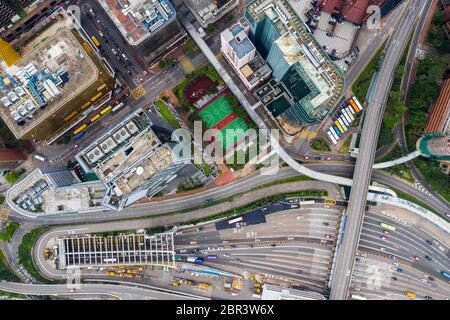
[(149, 25), (313, 84), (132, 161), (209, 11), (58, 78), (242, 55)]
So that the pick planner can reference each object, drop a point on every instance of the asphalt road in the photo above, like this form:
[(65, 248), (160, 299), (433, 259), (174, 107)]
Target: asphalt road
[(121, 291), (363, 170), (407, 243), (292, 245), (237, 187)]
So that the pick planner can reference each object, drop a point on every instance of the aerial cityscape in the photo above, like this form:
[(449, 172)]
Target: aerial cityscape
[(230, 150)]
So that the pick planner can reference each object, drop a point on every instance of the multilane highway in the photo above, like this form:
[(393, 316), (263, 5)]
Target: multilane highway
[(391, 262), (363, 169)]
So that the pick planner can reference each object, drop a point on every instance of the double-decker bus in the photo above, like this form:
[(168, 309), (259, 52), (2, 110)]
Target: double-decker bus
[(344, 120), (350, 110), (332, 138), (344, 127), (387, 226), (346, 116), (349, 114), (339, 126), (77, 131), (333, 133), (357, 102), (354, 105), (337, 131)]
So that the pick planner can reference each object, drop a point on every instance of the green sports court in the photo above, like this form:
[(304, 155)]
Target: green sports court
[(215, 112), (219, 115), (237, 130)]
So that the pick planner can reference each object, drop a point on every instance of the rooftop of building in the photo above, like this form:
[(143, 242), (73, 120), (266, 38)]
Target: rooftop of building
[(42, 193), (298, 47), (354, 11), (440, 112), (137, 20), (128, 155), (53, 70), (256, 69)]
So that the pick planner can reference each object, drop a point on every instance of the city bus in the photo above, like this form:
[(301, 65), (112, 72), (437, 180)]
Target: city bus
[(337, 131), (353, 105), (344, 127), (387, 226), (338, 125), (77, 131), (106, 110), (344, 120), (332, 138), (235, 220), (95, 118), (96, 42), (333, 133), (357, 103), (347, 116), (350, 115)]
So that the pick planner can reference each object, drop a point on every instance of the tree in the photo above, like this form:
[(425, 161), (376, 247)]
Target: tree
[(389, 121), (12, 177), (189, 47), (210, 28)]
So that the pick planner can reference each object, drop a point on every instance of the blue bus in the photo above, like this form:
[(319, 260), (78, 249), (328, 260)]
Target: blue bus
[(337, 131), (78, 136)]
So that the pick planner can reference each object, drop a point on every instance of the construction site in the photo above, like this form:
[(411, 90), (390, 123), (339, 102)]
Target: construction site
[(57, 74)]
